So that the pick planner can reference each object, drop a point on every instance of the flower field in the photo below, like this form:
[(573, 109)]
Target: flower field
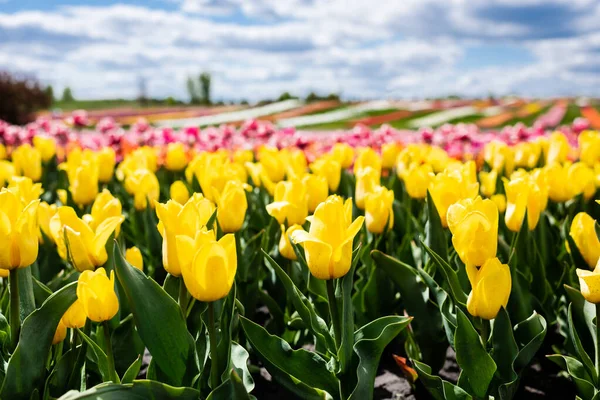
[(255, 259)]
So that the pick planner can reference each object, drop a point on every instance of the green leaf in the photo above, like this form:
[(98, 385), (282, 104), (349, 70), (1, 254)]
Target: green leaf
[(303, 306), (439, 389), (232, 389), (99, 358), (477, 366), (26, 370), (369, 343), (583, 355), (127, 344), (160, 323), (140, 389), (239, 361), (505, 349), (583, 311), (451, 276), (171, 286), (26, 298), (41, 292), (305, 366), (577, 371), (132, 372), (347, 319), (530, 334), (436, 237)]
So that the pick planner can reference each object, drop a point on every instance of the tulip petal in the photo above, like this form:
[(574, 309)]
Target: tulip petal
[(103, 232), (77, 250)]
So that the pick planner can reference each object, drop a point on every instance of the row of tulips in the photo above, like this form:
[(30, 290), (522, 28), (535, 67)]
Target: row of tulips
[(218, 263)]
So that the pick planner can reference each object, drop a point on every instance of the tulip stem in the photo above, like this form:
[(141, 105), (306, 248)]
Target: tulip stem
[(212, 334), (183, 296), (598, 344), (109, 353), (333, 311), (15, 317)]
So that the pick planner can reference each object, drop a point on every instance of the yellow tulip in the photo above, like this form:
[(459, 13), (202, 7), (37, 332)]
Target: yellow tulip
[(27, 161), (62, 196), (133, 255), (285, 247), (83, 183), (437, 158), (378, 210), (366, 182), (208, 266), (500, 201), (106, 160), (241, 156), (589, 282), (487, 183), (290, 202), (60, 334), (540, 176), (77, 242), (474, 227), (97, 295), (44, 214), (2, 152), (367, 157), (490, 288), (589, 147), (18, 231), (75, 316), (142, 158), (328, 243), (46, 145), (499, 156), (558, 148), (569, 180), (231, 206), (583, 232), (274, 165), (330, 169), (317, 190), (343, 153), (105, 206), (527, 154), (522, 194), (176, 219), (581, 179), (417, 179), (25, 189), (7, 171), (295, 163), (411, 155), (176, 158), (451, 186), (259, 177), (144, 186), (179, 192), (214, 170), (389, 153)]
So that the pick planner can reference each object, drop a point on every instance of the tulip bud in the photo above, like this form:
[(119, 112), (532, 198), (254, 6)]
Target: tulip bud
[(231, 206), (417, 179), (45, 213), (144, 186), (25, 189), (330, 169), (389, 153), (367, 157), (106, 160), (46, 146), (589, 282), (83, 183), (28, 162), (343, 153), (500, 201), (378, 210), (105, 206), (208, 266), (487, 183), (7, 171), (522, 194), (285, 247), (18, 231), (60, 334), (274, 166), (75, 316), (474, 227), (295, 163), (179, 192), (490, 288), (97, 295), (589, 147), (451, 186), (558, 148), (243, 156), (366, 182), (583, 232), (176, 159), (133, 255), (316, 189), (328, 243), (290, 203)]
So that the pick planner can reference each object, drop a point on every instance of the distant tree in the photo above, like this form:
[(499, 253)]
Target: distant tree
[(244, 102), (333, 96), (20, 96), (192, 90), (170, 101), (312, 96), (142, 92), (49, 92), (204, 79), (286, 96), (67, 96)]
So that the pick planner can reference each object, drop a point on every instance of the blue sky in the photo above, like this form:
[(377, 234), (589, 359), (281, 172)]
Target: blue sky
[(256, 49)]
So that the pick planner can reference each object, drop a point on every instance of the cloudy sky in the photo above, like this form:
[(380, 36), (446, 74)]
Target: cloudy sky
[(257, 49)]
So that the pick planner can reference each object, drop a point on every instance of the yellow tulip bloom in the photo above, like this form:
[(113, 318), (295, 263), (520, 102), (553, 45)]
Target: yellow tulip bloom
[(317, 190), (208, 266), (417, 179), (46, 146), (589, 147), (379, 214), (487, 183), (231, 206), (2, 152), (343, 153), (589, 282), (105, 206), (451, 186), (97, 295), (25, 189), (179, 192), (328, 243), (107, 160), (18, 231), (500, 201), (83, 183), (273, 163), (7, 171), (367, 157), (290, 202), (295, 163), (133, 255), (285, 247), (214, 170), (75, 316), (330, 169), (583, 232), (176, 158), (27, 161), (144, 187), (499, 156), (366, 182), (44, 214), (474, 227), (60, 334), (77, 242), (558, 149), (490, 288), (522, 193), (389, 153), (241, 156)]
